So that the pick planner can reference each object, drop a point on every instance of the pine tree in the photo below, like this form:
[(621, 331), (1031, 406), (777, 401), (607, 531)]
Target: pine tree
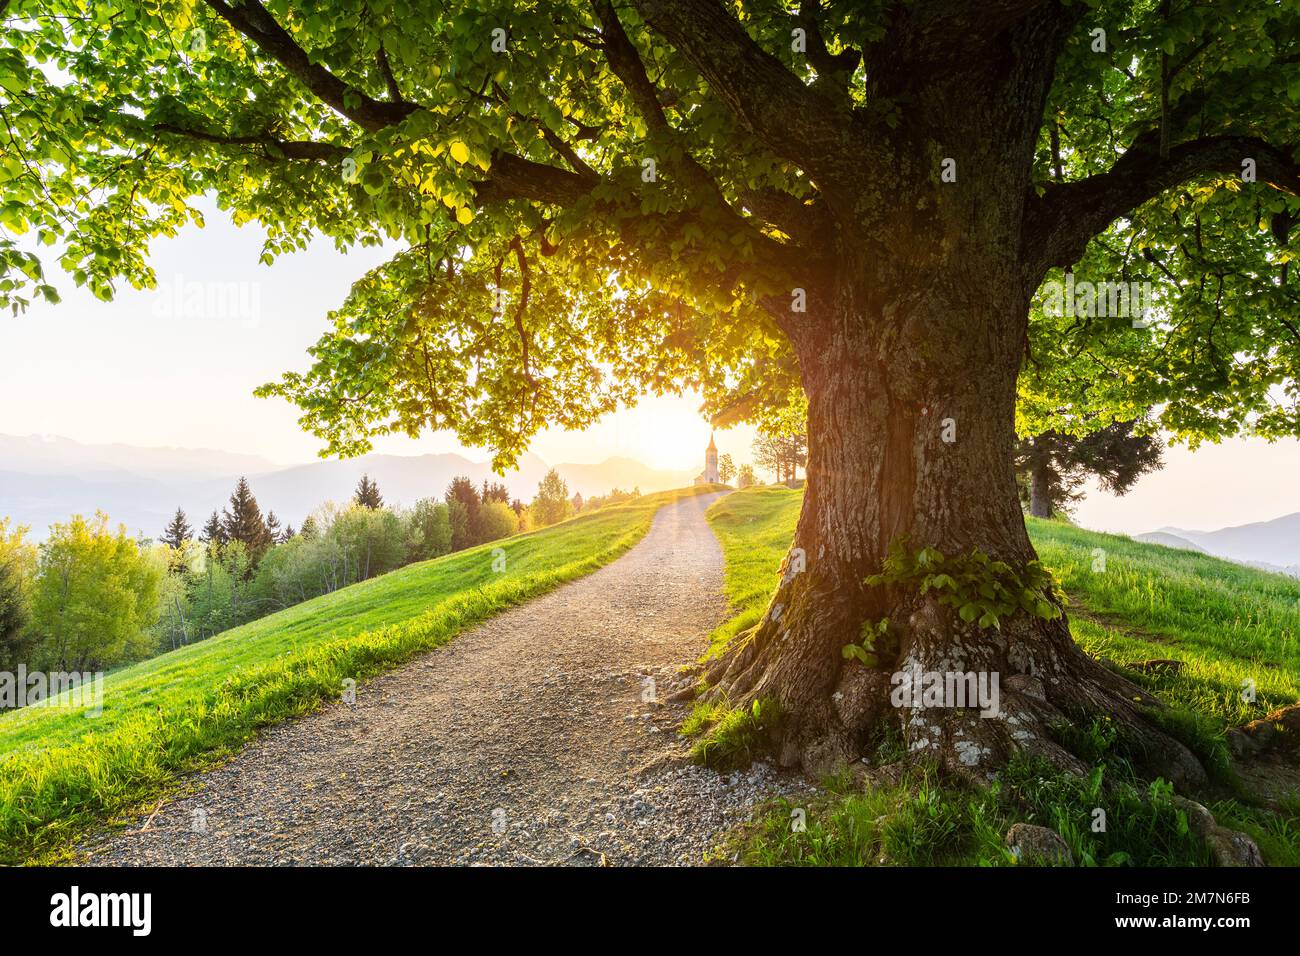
[(243, 522), (367, 494), (273, 527), (178, 531), (310, 529), (289, 534), (214, 532)]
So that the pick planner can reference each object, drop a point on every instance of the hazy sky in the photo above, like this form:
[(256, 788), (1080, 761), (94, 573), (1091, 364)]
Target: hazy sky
[(177, 366)]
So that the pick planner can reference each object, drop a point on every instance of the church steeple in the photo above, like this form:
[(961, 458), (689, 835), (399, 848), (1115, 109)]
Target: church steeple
[(711, 462)]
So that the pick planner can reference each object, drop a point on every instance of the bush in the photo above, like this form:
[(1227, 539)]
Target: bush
[(496, 520)]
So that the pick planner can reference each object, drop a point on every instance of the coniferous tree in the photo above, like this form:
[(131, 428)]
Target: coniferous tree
[(367, 494), (310, 529), (289, 534), (178, 531), (273, 527), (464, 527), (214, 532), (495, 491), (243, 522)]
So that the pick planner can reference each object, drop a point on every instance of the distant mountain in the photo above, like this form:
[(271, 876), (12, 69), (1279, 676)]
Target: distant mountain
[(1168, 540), (40, 455), (47, 480), (1275, 542)]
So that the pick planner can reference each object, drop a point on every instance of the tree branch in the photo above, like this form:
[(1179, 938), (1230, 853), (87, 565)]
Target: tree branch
[(252, 20), (832, 69), (794, 122), (1060, 224), (291, 149)]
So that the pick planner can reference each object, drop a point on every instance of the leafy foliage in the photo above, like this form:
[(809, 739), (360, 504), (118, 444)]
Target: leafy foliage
[(979, 588)]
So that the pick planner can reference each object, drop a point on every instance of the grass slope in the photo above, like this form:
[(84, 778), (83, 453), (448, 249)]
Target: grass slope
[(1231, 626), (61, 771)]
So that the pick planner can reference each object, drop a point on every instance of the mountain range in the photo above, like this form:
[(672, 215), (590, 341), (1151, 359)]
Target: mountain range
[(1272, 545), (43, 480)]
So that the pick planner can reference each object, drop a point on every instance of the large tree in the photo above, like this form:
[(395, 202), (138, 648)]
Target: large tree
[(852, 201)]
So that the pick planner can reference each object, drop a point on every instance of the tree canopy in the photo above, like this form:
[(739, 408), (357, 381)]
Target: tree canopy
[(596, 199)]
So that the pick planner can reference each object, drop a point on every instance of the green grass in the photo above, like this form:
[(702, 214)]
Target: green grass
[(755, 528), (730, 738), (1231, 626), (62, 772)]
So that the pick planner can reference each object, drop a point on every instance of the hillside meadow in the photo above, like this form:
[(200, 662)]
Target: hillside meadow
[(62, 772)]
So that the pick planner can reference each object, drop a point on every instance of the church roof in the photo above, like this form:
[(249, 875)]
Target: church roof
[(712, 447)]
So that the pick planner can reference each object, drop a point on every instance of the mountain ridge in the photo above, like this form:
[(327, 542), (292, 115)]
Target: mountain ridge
[(44, 480)]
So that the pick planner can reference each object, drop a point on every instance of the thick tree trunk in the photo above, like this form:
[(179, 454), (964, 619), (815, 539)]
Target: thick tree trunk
[(906, 445), (909, 354), (1040, 487)]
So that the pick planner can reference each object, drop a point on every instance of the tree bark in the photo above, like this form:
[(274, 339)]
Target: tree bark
[(1040, 486), (902, 450)]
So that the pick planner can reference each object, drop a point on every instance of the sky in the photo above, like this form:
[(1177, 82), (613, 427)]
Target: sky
[(176, 366)]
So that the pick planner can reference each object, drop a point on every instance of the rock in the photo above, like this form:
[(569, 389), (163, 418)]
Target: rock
[(1156, 666), (1035, 845), (1280, 729), (1228, 847), (1242, 744)]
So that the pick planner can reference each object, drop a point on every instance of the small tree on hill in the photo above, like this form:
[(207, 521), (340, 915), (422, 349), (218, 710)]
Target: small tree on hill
[(726, 469), (781, 454), (552, 501), (745, 477), (1051, 467)]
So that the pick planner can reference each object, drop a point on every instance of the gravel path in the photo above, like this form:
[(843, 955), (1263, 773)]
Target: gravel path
[(526, 740)]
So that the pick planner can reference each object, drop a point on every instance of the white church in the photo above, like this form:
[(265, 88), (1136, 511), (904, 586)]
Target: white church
[(710, 474)]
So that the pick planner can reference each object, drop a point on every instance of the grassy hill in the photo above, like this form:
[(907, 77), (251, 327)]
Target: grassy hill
[(1129, 602), (62, 771)]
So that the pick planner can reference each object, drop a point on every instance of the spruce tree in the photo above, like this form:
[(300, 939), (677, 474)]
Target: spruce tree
[(178, 531), (214, 532), (243, 522), (367, 494), (273, 527), (289, 534)]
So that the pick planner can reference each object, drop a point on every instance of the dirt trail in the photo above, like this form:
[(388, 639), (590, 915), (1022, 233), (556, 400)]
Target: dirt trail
[(524, 740)]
